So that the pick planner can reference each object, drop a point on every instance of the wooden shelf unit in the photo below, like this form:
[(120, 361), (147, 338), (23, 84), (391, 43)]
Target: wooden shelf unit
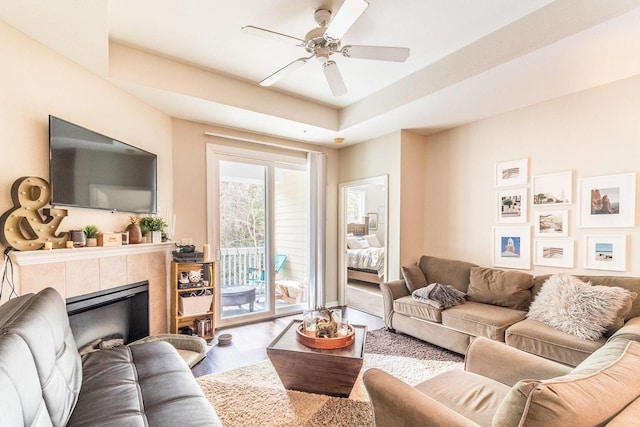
[(207, 274)]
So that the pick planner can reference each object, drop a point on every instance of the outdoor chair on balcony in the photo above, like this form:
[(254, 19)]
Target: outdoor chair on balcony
[(255, 276)]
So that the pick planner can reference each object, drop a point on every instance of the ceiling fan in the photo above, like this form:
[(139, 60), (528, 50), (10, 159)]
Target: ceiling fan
[(324, 41)]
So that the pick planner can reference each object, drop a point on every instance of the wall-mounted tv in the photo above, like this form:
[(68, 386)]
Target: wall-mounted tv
[(90, 170)]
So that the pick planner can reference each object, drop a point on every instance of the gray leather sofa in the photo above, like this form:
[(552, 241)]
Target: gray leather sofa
[(497, 306), (45, 382)]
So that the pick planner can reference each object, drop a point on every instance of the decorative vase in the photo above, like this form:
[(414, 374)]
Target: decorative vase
[(92, 241), (135, 234), (156, 236)]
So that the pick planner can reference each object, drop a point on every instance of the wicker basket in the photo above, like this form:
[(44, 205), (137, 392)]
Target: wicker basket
[(190, 306)]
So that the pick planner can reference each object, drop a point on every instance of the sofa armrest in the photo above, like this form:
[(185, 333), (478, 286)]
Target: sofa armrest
[(391, 291), (629, 331), (395, 404), (509, 365)]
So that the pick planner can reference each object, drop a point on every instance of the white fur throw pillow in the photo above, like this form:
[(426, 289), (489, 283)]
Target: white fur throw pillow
[(578, 308)]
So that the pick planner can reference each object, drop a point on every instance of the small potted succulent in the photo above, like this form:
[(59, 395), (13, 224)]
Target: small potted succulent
[(154, 225), (91, 231)]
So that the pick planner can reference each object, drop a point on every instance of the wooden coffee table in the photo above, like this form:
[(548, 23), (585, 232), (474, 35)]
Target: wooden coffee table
[(331, 372)]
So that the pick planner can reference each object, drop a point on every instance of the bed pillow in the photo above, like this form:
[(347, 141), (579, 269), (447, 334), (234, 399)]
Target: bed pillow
[(580, 308), (351, 242), (360, 244), (510, 289), (373, 241), (414, 278)]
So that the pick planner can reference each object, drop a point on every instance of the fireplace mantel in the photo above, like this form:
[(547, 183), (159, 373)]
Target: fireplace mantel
[(80, 271), (62, 255)]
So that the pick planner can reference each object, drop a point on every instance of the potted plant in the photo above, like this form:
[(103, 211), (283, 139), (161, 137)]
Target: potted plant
[(155, 225), (91, 231)]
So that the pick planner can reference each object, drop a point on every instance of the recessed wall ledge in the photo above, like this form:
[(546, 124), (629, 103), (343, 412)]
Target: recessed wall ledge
[(61, 255)]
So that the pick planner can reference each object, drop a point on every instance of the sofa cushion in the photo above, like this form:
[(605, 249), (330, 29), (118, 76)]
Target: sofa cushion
[(477, 400), (41, 321), (579, 308), (142, 384), (511, 289), (479, 319), (410, 307), (414, 277), (446, 271), (593, 393), (22, 403), (543, 340)]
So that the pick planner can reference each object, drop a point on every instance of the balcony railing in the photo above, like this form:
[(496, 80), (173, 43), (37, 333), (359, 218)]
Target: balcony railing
[(236, 265)]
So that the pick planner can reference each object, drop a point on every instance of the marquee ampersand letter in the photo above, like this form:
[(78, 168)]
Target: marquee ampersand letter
[(23, 228)]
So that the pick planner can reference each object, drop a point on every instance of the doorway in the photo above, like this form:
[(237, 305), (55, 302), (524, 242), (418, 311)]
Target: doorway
[(364, 236), (259, 224)]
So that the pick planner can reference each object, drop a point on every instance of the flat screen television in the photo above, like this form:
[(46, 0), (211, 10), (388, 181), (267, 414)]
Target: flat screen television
[(90, 170)]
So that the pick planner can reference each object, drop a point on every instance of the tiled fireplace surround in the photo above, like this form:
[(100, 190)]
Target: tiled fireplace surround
[(80, 271)]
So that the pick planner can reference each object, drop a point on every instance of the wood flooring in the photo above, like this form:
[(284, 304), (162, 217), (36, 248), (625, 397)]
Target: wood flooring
[(249, 342)]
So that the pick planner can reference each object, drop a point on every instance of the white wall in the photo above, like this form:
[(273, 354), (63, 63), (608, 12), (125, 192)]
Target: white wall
[(378, 157), (592, 133), (35, 82), (190, 184)]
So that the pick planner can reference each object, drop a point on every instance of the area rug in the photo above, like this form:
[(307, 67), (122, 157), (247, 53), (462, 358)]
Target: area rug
[(254, 396)]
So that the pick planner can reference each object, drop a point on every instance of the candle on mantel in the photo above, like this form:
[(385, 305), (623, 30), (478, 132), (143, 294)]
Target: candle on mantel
[(48, 246), (69, 244)]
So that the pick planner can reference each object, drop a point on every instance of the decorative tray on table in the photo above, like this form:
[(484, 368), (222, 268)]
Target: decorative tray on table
[(322, 342)]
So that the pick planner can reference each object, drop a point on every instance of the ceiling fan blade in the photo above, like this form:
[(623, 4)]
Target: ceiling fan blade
[(334, 78), (290, 67), (381, 53), (344, 18), (273, 35)]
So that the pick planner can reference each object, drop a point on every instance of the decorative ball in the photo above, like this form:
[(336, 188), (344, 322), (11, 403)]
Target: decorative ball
[(194, 276)]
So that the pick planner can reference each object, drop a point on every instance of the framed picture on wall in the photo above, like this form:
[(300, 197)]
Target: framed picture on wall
[(608, 201), (551, 223), (515, 172), (606, 253), (554, 253), (512, 247), (552, 189), (512, 205), (373, 220)]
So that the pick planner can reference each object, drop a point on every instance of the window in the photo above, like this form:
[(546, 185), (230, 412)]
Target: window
[(356, 201)]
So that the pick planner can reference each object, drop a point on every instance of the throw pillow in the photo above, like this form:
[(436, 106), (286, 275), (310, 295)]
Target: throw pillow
[(414, 277), (360, 244), (373, 241), (511, 289), (579, 308), (580, 398)]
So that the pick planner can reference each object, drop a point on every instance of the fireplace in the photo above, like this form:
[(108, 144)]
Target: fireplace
[(122, 311)]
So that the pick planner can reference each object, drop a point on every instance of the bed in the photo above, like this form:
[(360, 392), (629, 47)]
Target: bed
[(365, 254)]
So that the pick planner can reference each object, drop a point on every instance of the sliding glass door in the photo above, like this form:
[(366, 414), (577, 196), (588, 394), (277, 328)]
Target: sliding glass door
[(259, 220)]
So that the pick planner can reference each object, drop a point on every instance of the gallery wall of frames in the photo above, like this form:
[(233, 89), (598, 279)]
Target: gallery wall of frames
[(533, 218)]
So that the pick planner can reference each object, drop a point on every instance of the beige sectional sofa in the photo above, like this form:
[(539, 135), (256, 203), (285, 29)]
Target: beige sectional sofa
[(496, 308), (501, 386)]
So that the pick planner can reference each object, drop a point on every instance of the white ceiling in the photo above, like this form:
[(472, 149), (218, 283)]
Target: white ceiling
[(470, 59)]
